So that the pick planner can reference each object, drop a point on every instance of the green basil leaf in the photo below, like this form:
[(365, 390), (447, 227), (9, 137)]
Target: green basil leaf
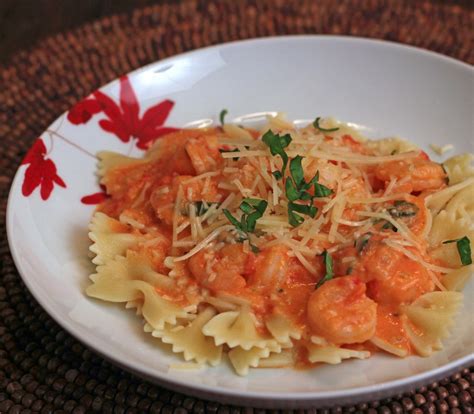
[(245, 207), (254, 248), (362, 241), (222, 116), (203, 206), (294, 219), (291, 192), (296, 170), (321, 190), (403, 208), (277, 175), (233, 220), (309, 210), (464, 249), (257, 203), (277, 143), (317, 126), (328, 263)]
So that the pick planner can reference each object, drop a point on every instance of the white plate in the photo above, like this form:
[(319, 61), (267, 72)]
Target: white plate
[(394, 89)]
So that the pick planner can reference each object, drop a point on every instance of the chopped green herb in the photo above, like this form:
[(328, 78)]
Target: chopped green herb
[(222, 115), (254, 248), (291, 192), (328, 263), (277, 143), (233, 220), (296, 171), (317, 126), (203, 206), (403, 208), (277, 175), (253, 209), (309, 210), (362, 241), (294, 219), (321, 190), (389, 226), (464, 249), (349, 270)]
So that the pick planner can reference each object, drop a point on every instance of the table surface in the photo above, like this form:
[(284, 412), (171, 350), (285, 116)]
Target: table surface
[(22, 22), (42, 368)]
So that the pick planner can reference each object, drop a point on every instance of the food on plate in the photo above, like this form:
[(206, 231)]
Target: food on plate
[(285, 247)]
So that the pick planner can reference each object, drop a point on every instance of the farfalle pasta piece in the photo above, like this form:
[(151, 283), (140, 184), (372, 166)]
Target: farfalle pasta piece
[(236, 328), (111, 238), (242, 359), (389, 347), (457, 279), (282, 329), (446, 227), (132, 267), (109, 160), (155, 310), (190, 340), (459, 168), (333, 355), (428, 320), (461, 205), (282, 359), (437, 201), (390, 146), (135, 304)]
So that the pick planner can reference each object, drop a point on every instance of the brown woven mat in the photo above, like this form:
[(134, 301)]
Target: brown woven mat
[(42, 368)]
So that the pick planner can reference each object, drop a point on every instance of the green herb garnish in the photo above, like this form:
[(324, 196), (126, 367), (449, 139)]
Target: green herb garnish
[(277, 143), (403, 208), (222, 115), (361, 242), (464, 249), (317, 126), (252, 209), (329, 269), (321, 190), (203, 206), (277, 174)]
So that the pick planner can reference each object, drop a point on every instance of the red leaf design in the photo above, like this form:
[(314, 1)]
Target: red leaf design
[(129, 104), (151, 135), (93, 199), (123, 119), (156, 115), (83, 111), (41, 172), (36, 152)]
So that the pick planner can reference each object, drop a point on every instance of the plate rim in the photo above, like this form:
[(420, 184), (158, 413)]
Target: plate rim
[(247, 397)]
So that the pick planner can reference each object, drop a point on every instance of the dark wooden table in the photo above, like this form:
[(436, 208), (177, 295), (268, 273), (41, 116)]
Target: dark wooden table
[(24, 22)]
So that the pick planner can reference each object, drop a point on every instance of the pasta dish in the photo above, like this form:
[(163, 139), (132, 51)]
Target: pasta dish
[(285, 246)]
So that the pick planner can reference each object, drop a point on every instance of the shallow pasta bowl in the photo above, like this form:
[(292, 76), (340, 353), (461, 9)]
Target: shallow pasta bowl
[(391, 89)]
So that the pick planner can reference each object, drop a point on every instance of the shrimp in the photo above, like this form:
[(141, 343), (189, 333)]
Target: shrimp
[(224, 270), (204, 153), (392, 277), (163, 198), (271, 269), (419, 174), (341, 312)]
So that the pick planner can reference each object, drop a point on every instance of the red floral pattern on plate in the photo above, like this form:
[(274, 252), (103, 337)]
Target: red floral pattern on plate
[(41, 172), (95, 198), (123, 119)]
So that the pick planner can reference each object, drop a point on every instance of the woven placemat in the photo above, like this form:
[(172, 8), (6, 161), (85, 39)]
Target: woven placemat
[(42, 368)]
